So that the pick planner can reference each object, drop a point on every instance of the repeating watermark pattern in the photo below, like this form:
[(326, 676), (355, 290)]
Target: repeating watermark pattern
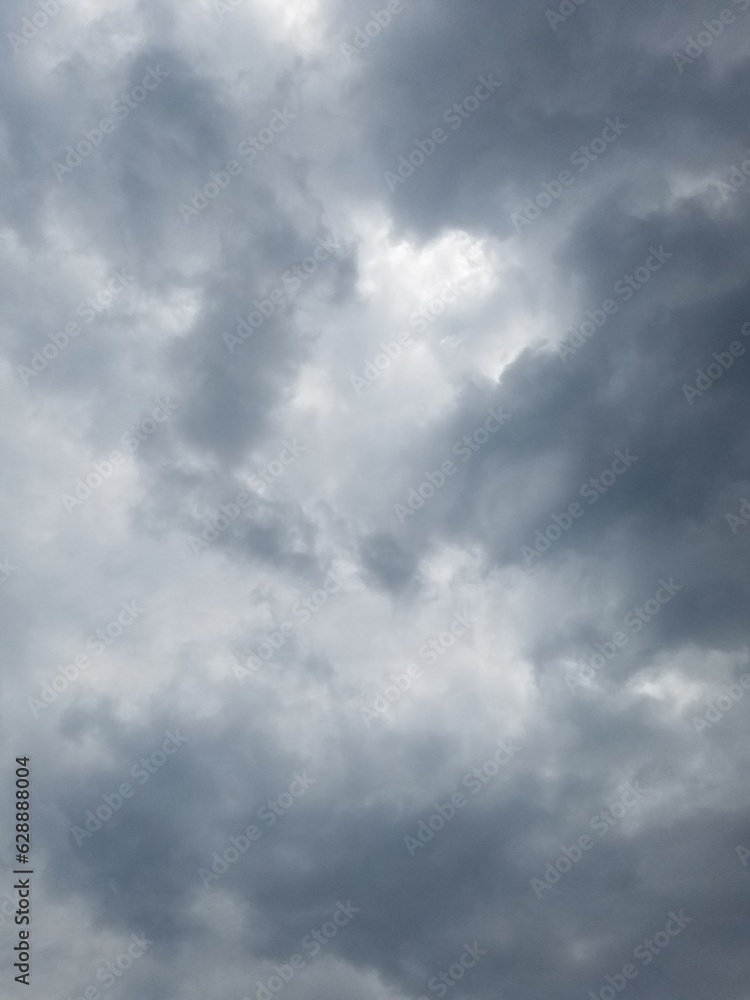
[(434, 648), (113, 802), (249, 663), (634, 621), (314, 942), (269, 814), (86, 486), (476, 780), (444, 981), (390, 694), (738, 176), (253, 145), (717, 709), (249, 148), (740, 520), (454, 116), (566, 9), (69, 673), (111, 971), (391, 350), (364, 36), (645, 953), (722, 362), (32, 26), (601, 823), (582, 158), (220, 520), (230, 512), (743, 853), (121, 109), (429, 651), (221, 863), (281, 295), (288, 455), (696, 45), (465, 448), (7, 569), (592, 490), (625, 288), (590, 152), (88, 309)]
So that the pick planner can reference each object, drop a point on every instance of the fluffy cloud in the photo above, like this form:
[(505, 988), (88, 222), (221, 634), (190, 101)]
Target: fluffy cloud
[(388, 316)]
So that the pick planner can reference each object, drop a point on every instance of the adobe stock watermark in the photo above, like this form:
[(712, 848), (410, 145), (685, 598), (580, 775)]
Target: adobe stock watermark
[(625, 288), (696, 45), (741, 519), (32, 26), (433, 649), (717, 709), (430, 651), (454, 116), (86, 486), (111, 971), (592, 489), (69, 673), (230, 512), (269, 814), (743, 853), (444, 981), (465, 448), (238, 846), (7, 569), (601, 823), (114, 801), (364, 36), (583, 157), (391, 694), (645, 952), (477, 779), (88, 309), (314, 942), (738, 176), (634, 621), (713, 371), (220, 520), (121, 108), (566, 10), (420, 320), (282, 294), (249, 663), (250, 147)]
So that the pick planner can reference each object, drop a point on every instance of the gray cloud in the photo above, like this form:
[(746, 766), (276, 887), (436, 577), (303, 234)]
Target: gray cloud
[(447, 310)]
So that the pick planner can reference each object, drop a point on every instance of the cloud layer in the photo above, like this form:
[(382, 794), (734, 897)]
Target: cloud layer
[(377, 497)]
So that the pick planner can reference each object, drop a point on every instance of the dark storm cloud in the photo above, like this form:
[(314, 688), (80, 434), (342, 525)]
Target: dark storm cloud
[(615, 757)]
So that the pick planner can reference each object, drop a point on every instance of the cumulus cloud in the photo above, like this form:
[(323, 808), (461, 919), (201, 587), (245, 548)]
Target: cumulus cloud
[(373, 569)]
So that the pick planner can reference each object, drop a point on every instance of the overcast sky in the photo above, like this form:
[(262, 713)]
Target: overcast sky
[(374, 549)]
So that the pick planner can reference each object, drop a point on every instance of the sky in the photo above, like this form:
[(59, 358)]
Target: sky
[(373, 559)]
